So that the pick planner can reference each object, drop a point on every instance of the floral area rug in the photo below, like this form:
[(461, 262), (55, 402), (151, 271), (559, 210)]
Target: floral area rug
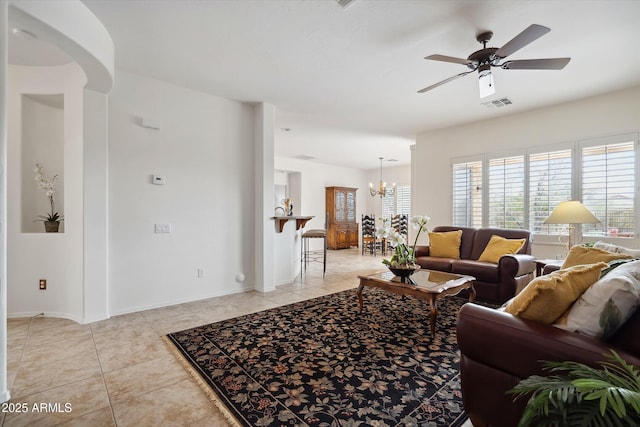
[(322, 363)]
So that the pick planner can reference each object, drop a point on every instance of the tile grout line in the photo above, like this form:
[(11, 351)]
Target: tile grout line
[(104, 382)]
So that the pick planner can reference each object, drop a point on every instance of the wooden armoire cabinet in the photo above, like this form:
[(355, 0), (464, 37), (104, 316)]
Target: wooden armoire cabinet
[(342, 228)]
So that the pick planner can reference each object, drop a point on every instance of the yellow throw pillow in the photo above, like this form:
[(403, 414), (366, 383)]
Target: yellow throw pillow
[(584, 255), (499, 246), (547, 297), (445, 244)]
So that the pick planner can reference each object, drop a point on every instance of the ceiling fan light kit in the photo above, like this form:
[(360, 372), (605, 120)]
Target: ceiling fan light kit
[(485, 81), (482, 60)]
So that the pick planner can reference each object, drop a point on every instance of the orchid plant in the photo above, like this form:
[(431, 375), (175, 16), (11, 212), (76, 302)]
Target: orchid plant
[(48, 185), (403, 255)]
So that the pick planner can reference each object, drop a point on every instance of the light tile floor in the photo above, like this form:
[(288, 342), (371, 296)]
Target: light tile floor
[(120, 372)]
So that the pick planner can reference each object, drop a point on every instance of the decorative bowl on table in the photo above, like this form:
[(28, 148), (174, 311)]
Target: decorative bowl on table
[(404, 273)]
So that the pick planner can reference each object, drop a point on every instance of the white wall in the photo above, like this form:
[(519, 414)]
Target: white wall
[(205, 150), (314, 177), (57, 257), (96, 205), (609, 114)]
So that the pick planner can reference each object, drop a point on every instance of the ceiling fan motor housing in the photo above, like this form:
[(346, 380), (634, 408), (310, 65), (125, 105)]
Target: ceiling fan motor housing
[(484, 56)]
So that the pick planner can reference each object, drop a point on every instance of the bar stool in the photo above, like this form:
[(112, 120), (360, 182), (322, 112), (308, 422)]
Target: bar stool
[(307, 256)]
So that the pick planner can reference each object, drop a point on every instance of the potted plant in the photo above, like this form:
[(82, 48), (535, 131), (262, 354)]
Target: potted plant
[(581, 395), (48, 185), (403, 260)]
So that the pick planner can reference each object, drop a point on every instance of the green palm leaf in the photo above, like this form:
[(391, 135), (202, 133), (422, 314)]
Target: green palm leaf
[(580, 395)]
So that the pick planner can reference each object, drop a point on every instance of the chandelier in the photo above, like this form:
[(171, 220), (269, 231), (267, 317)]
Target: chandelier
[(382, 190)]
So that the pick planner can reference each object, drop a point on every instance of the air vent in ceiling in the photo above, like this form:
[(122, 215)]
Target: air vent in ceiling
[(304, 157), (497, 103), (345, 3)]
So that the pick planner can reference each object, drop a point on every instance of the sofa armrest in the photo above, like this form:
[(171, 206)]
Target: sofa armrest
[(515, 265), (421, 251), (516, 346), (549, 268)]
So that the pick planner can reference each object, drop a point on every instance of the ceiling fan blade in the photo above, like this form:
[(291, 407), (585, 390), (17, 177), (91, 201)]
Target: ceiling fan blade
[(445, 58), (536, 64), (433, 86), (531, 33)]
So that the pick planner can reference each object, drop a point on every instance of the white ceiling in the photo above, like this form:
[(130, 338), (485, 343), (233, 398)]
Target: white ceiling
[(345, 81), (25, 48)]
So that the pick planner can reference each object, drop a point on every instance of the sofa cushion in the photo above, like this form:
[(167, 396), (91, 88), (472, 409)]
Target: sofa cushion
[(482, 271), (483, 236), (617, 249), (585, 255), (499, 246), (607, 305), (445, 244), (468, 234), (546, 298), (433, 263)]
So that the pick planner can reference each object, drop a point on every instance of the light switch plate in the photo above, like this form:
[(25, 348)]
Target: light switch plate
[(163, 228), (158, 180)]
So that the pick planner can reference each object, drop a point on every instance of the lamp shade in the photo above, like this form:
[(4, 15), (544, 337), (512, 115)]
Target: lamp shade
[(571, 212)]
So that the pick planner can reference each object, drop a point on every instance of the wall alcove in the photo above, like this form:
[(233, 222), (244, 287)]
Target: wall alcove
[(72, 28), (42, 118)]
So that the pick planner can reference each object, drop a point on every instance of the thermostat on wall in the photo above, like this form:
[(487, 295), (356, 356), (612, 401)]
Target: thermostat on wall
[(158, 180)]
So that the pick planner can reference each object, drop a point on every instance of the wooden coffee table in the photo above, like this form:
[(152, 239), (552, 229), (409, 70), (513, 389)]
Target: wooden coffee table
[(430, 286)]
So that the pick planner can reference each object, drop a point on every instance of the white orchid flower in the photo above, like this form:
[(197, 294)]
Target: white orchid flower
[(420, 222), (404, 256), (48, 185), (383, 232), (396, 238)]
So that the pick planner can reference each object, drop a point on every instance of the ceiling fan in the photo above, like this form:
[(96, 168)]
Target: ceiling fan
[(487, 57)]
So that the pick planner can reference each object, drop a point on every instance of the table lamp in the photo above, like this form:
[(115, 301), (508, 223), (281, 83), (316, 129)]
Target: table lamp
[(571, 212)]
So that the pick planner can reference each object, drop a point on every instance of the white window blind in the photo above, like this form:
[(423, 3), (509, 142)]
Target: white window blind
[(506, 192), (550, 182), (388, 206), (399, 203), (403, 200), (608, 184), (467, 194)]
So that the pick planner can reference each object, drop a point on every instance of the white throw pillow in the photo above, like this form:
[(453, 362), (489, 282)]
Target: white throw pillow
[(617, 249), (606, 304)]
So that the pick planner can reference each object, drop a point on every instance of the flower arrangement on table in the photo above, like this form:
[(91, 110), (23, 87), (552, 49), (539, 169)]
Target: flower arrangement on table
[(48, 185), (403, 255)]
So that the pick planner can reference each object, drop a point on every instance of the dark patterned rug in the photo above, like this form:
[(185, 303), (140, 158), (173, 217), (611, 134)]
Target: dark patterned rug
[(321, 363)]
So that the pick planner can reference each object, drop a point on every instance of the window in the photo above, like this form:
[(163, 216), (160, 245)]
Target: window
[(403, 200), (467, 194), (550, 182), (388, 206), (522, 189), (608, 184), (399, 203), (506, 192)]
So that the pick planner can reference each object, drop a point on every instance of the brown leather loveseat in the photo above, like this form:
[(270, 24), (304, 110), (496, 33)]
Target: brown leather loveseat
[(499, 349), (494, 282)]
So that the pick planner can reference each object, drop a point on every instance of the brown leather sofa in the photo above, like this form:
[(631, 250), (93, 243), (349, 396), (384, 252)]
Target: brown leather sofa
[(494, 282), (499, 349)]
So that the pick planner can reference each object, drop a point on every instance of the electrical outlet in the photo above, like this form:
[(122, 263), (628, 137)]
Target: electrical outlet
[(43, 284), (200, 273)]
